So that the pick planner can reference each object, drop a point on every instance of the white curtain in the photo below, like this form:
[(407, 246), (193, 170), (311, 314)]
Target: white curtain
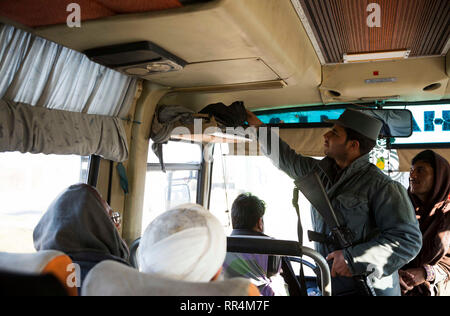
[(13, 48), (55, 100), (44, 74)]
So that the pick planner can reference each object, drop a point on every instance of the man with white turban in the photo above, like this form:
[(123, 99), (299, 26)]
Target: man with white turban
[(186, 243)]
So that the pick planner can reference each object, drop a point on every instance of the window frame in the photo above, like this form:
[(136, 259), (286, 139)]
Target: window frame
[(93, 170), (199, 167)]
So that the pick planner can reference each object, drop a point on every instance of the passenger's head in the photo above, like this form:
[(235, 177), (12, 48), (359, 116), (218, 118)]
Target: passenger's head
[(429, 177), (365, 144), (421, 175), (247, 212), (79, 221), (186, 243), (353, 135)]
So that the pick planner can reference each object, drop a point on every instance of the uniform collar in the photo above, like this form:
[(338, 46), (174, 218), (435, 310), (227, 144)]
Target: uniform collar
[(334, 173)]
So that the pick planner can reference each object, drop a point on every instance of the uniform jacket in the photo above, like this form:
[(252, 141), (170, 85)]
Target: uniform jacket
[(374, 207)]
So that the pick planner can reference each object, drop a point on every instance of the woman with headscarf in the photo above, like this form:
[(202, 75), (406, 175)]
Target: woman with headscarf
[(186, 243), (80, 223), (429, 190)]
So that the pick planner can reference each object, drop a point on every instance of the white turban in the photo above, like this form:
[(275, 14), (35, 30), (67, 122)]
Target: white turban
[(187, 243)]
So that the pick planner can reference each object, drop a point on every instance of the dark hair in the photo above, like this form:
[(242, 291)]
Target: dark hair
[(246, 211), (365, 144), (425, 156)]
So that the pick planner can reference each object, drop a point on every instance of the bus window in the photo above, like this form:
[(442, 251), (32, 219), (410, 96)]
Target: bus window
[(178, 185), (233, 175), (29, 183)]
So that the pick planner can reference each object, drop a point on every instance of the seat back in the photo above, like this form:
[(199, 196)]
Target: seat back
[(41, 263), (111, 278), (134, 248), (21, 284)]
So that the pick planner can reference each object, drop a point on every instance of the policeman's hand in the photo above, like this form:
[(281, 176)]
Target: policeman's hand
[(253, 120), (340, 267)]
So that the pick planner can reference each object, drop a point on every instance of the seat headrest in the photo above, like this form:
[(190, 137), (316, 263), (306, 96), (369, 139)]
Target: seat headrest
[(51, 262), (29, 262), (110, 278)]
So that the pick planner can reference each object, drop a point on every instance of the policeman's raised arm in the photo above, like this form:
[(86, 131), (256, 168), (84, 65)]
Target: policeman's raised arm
[(253, 120), (281, 154)]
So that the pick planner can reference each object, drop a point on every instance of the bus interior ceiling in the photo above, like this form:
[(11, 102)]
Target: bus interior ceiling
[(270, 54)]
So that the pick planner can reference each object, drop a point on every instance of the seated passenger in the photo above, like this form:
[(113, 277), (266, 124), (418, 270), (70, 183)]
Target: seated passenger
[(186, 243), (247, 219), (79, 223), (429, 190)]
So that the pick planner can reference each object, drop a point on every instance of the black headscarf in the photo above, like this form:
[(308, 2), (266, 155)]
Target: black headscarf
[(441, 189), (434, 214), (77, 222)]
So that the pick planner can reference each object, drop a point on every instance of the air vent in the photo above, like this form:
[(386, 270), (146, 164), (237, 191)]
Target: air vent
[(432, 87), (139, 59), (333, 93)]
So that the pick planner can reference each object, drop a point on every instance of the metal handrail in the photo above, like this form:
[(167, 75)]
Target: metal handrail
[(269, 246), (325, 274), (302, 261), (133, 253)]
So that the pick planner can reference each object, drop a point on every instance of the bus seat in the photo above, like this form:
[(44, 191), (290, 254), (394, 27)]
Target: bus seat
[(23, 284), (111, 278), (41, 263), (134, 248)]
